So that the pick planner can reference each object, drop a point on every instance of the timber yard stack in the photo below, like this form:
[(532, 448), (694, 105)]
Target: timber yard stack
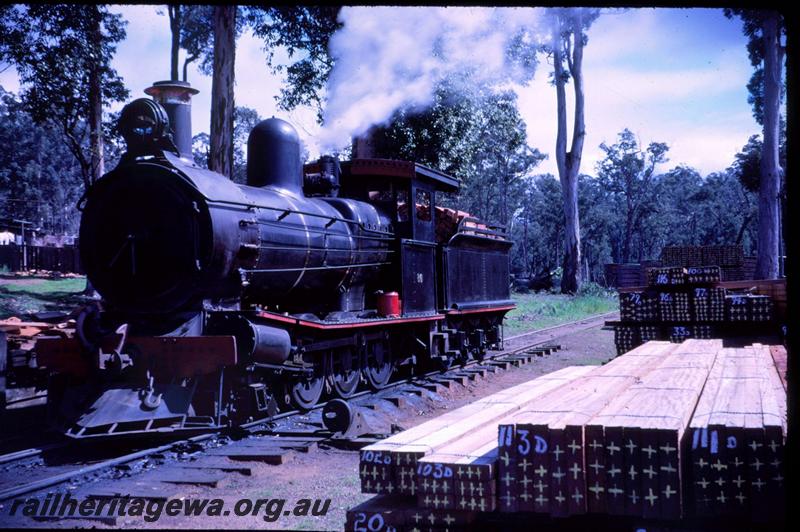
[(682, 303), (737, 437), (664, 432), (732, 264), (390, 466), (730, 259)]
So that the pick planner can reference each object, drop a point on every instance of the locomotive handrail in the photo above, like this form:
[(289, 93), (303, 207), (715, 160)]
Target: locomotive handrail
[(315, 268), (294, 211), (343, 250), (324, 232)]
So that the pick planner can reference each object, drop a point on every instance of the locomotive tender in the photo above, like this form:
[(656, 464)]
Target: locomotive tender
[(221, 301)]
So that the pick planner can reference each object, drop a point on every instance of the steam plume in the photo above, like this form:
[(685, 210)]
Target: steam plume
[(388, 58)]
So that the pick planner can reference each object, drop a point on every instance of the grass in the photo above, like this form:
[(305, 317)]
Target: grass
[(538, 311), (29, 295)]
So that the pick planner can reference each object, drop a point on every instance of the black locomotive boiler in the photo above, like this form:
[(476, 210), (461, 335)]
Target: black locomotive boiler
[(221, 302)]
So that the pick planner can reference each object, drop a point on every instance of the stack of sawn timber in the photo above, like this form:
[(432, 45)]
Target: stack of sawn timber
[(644, 435), (737, 436), (390, 466), (633, 445), (542, 467)]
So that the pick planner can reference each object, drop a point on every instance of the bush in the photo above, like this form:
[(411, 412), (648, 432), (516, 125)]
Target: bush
[(594, 289)]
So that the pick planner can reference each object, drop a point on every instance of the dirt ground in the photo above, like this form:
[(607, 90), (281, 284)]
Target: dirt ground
[(333, 474)]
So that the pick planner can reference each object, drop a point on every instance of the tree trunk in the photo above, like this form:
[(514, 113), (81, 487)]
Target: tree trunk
[(769, 189), (525, 243), (221, 154), (569, 163), (742, 229), (626, 243), (96, 102), (174, 12)]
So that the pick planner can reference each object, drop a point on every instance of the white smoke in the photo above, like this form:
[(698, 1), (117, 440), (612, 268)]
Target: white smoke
[(389, 58)]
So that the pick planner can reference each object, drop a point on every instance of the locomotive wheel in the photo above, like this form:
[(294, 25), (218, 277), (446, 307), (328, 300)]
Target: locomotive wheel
[(379, 367), (343, 373), (304, 393)]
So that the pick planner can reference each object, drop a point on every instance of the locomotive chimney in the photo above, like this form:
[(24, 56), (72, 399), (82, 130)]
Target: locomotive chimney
[(364, 145), (273, 156), (176, 98)]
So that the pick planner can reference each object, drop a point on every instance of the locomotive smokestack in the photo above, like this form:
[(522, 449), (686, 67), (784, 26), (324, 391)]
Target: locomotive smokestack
[(273, 156), (364, 145), (176, 98)]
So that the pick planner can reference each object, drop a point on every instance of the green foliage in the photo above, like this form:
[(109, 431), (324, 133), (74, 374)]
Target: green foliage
[(244, 120), (590, 289), (538, 226), (305, 31), (627, 172), (477, 136), (55, 48), (747, 164), (197, 38), (39, 178), (677, 207), (194, 26)]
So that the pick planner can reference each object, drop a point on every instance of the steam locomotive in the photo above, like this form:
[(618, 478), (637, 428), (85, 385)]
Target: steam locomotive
[(222, 303)]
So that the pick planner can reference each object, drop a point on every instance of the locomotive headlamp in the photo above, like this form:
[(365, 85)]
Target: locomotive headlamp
[(143, 122)]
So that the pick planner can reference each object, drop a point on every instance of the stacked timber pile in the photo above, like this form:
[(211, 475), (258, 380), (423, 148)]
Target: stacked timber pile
[(708, 304), (666, 276), (664, 432), (703, 274), (633, 444), (730, 260), (683, 303), (18, 362), (737, 437), (390, 466), (623, 275), (733, 265), (674, 306), (690, 256), (450, 489), (638, 306), (542, 467)]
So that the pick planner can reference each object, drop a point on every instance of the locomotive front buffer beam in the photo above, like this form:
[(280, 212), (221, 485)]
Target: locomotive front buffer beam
[(140, 385)]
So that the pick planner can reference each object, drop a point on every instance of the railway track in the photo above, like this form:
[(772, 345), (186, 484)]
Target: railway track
[(199, 459)]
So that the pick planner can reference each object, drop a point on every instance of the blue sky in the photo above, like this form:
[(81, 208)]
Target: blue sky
[(672, 75)]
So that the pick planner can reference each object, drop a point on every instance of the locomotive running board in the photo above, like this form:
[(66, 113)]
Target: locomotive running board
[(351, 324)]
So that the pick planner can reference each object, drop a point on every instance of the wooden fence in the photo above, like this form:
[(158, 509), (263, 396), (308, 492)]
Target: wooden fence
[(65, 259)]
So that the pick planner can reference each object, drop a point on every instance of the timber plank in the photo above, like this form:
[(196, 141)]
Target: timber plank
[(594, 440), (779, 357), (506, 467), (773, 402)]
